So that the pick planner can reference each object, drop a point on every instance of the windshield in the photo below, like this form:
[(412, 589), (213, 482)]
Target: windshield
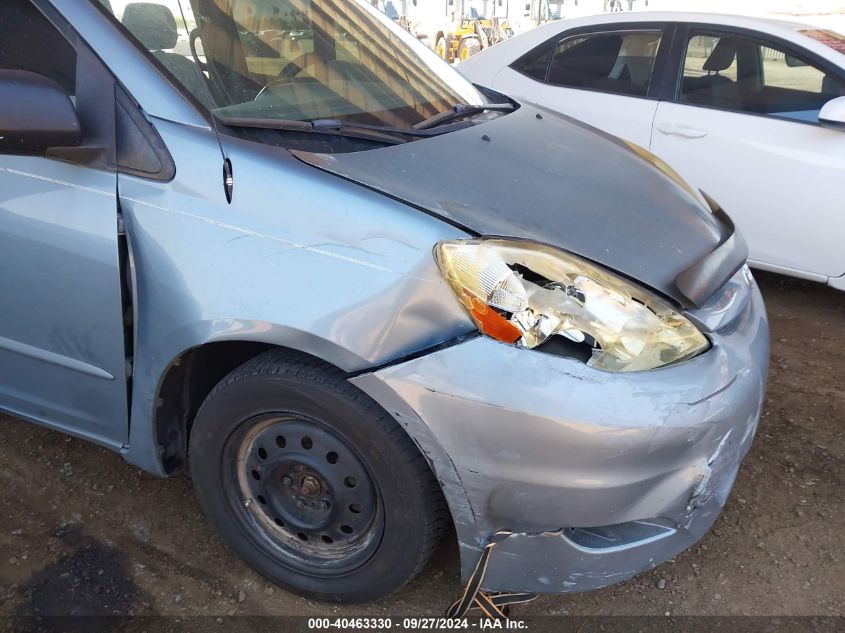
[(477, 9), (297, 60)]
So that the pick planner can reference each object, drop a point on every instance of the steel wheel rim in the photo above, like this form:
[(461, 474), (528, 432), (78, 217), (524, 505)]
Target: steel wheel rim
[(306, 494)]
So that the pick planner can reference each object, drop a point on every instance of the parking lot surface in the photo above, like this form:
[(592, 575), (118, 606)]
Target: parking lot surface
[(82, 532)]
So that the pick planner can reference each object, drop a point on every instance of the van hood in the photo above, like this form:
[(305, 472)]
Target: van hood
[(537, 175)]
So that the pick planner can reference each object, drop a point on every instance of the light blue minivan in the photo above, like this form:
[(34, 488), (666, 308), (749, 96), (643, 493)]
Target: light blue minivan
[(283, 244)]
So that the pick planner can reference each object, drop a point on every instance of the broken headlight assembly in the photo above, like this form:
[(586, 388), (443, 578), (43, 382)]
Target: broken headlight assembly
[(524, 294)]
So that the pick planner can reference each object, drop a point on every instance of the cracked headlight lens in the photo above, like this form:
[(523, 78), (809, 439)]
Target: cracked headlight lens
[(524, 294)]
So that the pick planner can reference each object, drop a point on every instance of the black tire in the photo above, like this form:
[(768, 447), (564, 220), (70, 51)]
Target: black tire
[(262, 413), (446, 42), (468, 47)]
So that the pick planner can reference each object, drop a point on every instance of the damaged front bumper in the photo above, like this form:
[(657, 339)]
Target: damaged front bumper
[(600, 475)]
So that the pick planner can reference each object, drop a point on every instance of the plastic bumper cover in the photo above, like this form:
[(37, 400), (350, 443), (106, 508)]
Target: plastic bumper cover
[(600, 475)]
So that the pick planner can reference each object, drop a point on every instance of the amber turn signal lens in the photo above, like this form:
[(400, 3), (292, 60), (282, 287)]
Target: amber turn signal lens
[(492, 323)]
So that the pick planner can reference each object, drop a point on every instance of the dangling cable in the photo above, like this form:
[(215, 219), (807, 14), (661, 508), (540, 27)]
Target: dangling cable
[(494, 605)]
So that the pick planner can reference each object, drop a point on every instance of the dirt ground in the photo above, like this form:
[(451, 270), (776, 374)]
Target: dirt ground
[(82, 532)]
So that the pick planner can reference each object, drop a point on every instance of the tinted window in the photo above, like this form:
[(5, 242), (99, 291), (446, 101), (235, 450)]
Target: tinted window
[(536, 63), (739, 73), (620, 62), (29, 42)]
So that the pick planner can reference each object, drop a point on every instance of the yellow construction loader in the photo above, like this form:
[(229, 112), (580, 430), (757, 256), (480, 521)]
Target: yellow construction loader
[(470, 27)]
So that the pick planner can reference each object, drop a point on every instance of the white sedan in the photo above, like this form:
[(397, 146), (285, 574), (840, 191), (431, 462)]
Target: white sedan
[(749, 110)]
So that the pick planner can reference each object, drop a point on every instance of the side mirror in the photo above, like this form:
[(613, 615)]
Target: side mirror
[(833, 113), (794, 62), (35, 114)]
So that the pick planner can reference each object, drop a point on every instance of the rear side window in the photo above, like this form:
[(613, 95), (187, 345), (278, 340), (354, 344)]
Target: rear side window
[(536, 63), (29, 42), (620, 62), (742, 74)]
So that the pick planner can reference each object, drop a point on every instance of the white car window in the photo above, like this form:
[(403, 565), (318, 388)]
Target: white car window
[(699, 50), (619, 62), (535, 63), (783, 71), (732, 72)]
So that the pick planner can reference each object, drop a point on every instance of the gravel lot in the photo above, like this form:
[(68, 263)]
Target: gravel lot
[(82, 532)]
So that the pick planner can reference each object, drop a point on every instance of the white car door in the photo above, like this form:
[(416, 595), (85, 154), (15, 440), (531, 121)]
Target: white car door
[(744, 128), (602, 76)]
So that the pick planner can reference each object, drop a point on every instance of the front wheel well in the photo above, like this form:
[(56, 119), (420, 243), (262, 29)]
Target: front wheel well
[(187, 381)]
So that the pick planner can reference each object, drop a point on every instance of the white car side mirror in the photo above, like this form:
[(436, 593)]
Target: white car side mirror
[(833, 113)]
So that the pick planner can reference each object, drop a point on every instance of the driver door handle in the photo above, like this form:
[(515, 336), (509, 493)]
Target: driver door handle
[(681, 130)]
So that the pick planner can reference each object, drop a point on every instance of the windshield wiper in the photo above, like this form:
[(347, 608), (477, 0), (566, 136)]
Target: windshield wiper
[(383, 133), (327, 126), (461, 111)]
